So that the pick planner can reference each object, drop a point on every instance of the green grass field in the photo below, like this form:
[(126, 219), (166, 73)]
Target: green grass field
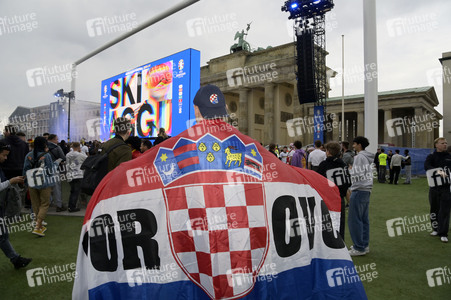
[(400, 262)]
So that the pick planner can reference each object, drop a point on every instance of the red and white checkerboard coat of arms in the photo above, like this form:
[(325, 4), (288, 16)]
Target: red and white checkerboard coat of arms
[(219, 235), (214, 98)]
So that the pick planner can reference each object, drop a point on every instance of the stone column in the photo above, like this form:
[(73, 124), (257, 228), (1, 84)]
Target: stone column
[(269, 113), (335, 127), (297, 108), (243, 118), (421, 137), (250, 113), (309, 137), (387, 116), (276, 106), (360, 123)]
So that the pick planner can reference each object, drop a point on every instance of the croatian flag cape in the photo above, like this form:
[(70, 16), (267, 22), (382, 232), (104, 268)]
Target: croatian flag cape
[(211, 214)]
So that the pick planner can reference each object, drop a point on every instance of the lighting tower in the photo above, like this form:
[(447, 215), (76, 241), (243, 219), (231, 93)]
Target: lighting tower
[(70, 96), (310, 30)]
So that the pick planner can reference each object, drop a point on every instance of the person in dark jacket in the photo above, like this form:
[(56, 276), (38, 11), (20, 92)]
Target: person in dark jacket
[(13, 166), (389, 157), (408, 166), (161, 137), (439, 188), (122, 130), (57, 153), (348, 155), (376, 161), (336, 170), (5, 245), (272, 149), (134, 143), (64, 147), (145, 145)]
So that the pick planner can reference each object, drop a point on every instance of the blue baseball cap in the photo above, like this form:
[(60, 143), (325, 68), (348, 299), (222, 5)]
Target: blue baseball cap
[(211, 102)]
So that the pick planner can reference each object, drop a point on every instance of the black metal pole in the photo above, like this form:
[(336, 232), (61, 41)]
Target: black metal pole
[(68, 122)]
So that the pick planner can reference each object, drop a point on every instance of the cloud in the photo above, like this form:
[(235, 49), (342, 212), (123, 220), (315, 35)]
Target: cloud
[(62, 37)]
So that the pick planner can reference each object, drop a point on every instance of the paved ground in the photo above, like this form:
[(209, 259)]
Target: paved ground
[(65, 195), (52, 212)]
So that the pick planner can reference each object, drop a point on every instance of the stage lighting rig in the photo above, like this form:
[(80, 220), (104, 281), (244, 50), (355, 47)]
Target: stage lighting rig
[(70, 96), (310, 31), (59, 93), (307, 8)]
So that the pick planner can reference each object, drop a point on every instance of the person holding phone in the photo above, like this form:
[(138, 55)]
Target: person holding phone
[(17, 260)]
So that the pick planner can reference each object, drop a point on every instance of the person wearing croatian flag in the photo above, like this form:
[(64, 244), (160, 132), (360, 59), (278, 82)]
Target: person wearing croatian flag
[(210, 214)]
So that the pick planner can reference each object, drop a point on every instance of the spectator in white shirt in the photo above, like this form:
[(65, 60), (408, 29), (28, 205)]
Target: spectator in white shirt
[(75, 159), (316, 157), (84, 148), (291, 153), (395, 166), (284, 155)]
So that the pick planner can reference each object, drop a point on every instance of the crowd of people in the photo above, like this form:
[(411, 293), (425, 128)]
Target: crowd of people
[(311, 157), (358, 164), (46, 152), (46, 155), (394, 162)]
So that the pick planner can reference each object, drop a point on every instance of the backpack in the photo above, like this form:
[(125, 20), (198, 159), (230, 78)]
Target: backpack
[(95, 168), (38, 172)]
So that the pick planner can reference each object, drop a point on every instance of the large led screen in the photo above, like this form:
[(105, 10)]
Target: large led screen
[(155, 95)]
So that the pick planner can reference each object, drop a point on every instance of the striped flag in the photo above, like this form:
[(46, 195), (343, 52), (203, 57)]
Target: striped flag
[(213, 216)]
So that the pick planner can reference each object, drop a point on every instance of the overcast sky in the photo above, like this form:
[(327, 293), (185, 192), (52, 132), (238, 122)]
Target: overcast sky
[(412, 35)]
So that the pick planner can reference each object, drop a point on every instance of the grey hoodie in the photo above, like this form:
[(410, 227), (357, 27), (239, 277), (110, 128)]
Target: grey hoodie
[(361, 172)]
